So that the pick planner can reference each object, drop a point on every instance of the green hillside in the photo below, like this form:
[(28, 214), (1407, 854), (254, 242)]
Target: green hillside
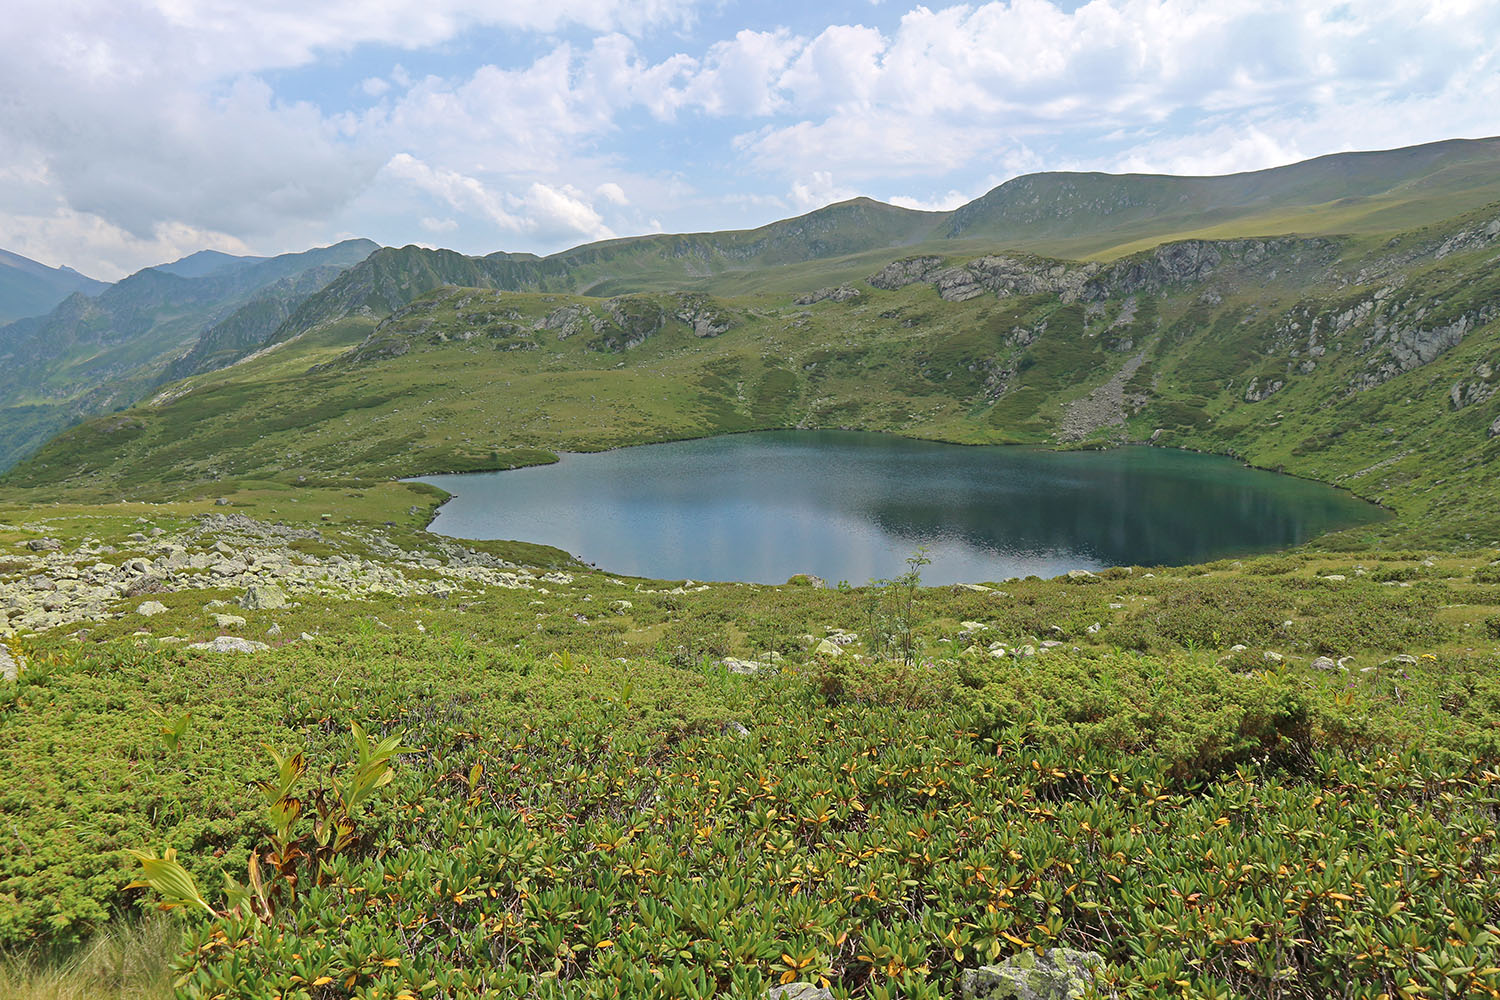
[(240, 679), (1053, 214), (1365, 368)]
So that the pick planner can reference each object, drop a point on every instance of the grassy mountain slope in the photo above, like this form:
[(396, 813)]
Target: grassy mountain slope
[(1093, 214), (28, 288), (1375, 369), (1101, 216), (94, 355)]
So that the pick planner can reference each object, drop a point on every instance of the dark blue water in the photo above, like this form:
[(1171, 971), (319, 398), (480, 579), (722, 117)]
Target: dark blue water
[(852, 506)]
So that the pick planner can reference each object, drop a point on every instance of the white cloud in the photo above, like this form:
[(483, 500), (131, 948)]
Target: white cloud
[(817, 190), (941, 203), (129, 127), (542, 210), (955, 87), (612, 193)]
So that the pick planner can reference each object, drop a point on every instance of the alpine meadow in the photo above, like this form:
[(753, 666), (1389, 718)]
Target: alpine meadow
[(266, 733)]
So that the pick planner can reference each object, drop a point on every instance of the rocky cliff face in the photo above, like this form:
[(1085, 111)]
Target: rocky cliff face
[(1172, 265)]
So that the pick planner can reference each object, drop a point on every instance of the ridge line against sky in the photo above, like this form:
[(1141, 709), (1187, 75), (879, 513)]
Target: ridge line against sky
[(139, 131)]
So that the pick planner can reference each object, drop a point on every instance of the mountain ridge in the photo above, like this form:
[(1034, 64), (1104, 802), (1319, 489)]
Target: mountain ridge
[(30, 288), (93, 354)]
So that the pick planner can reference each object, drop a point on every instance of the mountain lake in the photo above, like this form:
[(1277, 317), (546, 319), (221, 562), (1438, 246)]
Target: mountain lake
[(852, 506)]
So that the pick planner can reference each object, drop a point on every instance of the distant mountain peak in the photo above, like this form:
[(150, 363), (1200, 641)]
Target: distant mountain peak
[(31, 288)]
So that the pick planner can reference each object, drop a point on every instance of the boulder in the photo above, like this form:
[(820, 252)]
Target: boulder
[(44, 545), (806, 580), (826, 647), (228, 621), (1081, 576), (747, 667), (263, 597), (230, 644), (1055, 974), (1272, 657), (1325, 663), (798, 991), (1495, 428), (151, 608)]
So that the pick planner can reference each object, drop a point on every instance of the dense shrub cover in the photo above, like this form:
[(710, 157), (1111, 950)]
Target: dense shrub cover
[(587, 827)]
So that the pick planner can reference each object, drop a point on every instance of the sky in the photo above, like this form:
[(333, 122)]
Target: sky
[(134, 132)]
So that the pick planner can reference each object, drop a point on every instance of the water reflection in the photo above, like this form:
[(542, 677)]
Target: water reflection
[(850, 506)]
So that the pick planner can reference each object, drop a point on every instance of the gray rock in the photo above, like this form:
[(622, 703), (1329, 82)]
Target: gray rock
[(10, 667), (44, 545), (228, 621), (1325, 663), (230, 644), (840, 293), (1257, 391), (1081, 576), (798, 991), (904, 272), (1495, 428), (151, 608), (1055, 974), (826, 647), (1272, 657), (263, 597), (748, 668)]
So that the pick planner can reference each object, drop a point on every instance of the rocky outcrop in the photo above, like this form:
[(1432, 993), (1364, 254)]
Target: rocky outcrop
[(1478, 388), (907, 271), (1258, 390), (1191, 261), (699, 314), (568, 320), (1495, 428), (1475, 238), (1167, 266), (1013, 274), (837, 293), (1402, 345), (634, 319), (1055, 974)]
